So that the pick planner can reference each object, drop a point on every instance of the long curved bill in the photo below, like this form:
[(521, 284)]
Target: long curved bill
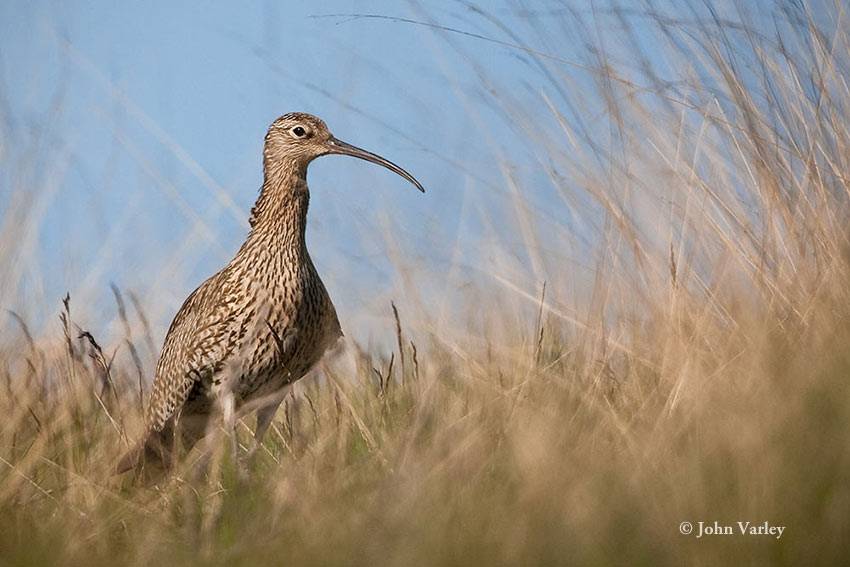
[(336, 146)]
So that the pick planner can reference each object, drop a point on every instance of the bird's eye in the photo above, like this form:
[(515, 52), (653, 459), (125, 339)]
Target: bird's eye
[(299, 131)]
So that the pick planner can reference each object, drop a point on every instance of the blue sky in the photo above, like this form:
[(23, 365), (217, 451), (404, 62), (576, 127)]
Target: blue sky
[(147, 122), (132, 138)]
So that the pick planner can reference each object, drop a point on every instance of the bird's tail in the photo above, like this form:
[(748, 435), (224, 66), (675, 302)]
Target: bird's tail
[(152, 453)]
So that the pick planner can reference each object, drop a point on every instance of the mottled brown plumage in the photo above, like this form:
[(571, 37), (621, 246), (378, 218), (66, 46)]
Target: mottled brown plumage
[(263, 321)]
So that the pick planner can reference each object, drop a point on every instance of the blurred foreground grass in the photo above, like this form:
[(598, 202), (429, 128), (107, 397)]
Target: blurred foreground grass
[(526, 456)]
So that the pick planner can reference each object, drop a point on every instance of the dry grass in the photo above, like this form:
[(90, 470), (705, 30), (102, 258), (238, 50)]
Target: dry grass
[(689, 364)]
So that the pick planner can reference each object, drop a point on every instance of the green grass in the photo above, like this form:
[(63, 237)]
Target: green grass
[(690, 363)]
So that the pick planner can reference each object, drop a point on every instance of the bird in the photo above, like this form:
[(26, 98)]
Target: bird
[(246, 334)]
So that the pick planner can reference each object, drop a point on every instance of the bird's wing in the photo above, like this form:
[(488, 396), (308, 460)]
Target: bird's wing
[(197, 345)]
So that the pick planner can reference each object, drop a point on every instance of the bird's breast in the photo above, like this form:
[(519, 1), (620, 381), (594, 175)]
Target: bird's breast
[(284, 333)]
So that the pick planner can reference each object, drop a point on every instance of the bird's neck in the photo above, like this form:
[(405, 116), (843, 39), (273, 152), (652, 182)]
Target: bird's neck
[(279, 217)]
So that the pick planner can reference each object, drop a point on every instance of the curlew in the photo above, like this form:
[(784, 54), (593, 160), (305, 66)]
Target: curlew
[(247, 333)]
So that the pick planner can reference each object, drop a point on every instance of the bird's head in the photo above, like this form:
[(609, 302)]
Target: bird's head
[(298, 138)]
